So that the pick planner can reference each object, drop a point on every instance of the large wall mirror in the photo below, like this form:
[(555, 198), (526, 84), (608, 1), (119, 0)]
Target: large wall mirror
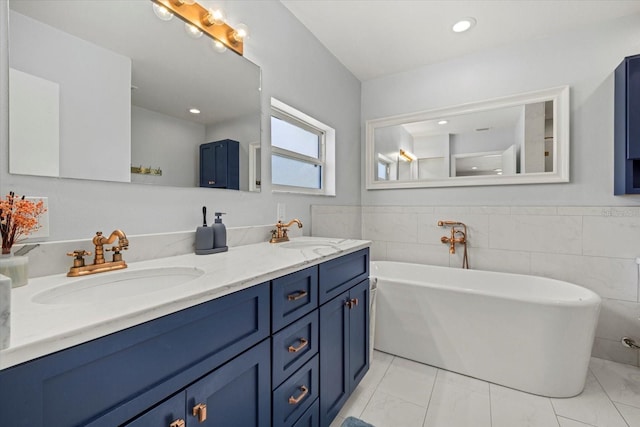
[(105, 90), (520, 139)]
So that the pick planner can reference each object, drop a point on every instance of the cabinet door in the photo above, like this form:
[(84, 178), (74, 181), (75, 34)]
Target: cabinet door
[(237, 394), (213, 165), (169, 413), (633, 108), (334, 350), (358, 333)]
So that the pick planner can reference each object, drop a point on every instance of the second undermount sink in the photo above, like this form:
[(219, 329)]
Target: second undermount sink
[(306, 244), (117, 285)]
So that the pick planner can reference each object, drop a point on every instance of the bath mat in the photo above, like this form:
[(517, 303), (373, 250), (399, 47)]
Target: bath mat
[(354, 422)]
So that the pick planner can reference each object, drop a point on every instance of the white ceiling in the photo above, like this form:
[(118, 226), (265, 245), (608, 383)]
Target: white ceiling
[(379, 37)]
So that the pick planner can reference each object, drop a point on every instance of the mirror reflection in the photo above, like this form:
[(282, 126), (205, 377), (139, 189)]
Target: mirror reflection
[(523, 138), (119, 95)]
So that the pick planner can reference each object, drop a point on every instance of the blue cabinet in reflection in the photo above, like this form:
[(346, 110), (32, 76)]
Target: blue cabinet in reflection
[(220, 164)]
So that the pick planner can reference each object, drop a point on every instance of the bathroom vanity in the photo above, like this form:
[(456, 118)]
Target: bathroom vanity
[(281, 340)]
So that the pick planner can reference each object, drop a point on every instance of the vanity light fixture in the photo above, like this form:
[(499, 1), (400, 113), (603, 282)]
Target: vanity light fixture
[(407, 156), (465, 24), (162, 12), (192, 31), (209, 21), (443, 122)]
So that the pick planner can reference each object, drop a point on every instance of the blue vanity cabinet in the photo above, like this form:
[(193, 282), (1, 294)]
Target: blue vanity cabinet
[(114, 379), (344, 331), (627, 127), (220, 164), (170, 413)]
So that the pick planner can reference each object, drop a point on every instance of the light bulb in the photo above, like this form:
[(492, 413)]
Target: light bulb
[(463, 25), (240, 33), (218, 46), (214, 17), (443, 122), (193, 31), (162, 12), (194, 111)]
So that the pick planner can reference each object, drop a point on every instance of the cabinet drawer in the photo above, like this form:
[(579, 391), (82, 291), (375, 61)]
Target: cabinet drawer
[(311, 418), (294, 346), (338, 275), (293, 296), (296, 394), (170, 411)]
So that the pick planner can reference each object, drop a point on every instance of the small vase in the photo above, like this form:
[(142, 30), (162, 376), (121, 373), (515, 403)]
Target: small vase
[(5, 312), (16, 268)]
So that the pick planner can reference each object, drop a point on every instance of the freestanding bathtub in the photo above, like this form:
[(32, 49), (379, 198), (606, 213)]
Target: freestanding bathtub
[(525, 332)]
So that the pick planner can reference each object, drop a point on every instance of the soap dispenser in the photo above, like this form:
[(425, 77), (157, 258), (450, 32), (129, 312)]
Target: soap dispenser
[(220, 233)]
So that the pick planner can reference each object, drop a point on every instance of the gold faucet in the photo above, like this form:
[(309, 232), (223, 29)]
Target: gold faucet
[(280, 233), (453, 240), (99, 264)]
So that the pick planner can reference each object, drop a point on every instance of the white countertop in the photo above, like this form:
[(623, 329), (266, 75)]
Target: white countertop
[(40, 329)]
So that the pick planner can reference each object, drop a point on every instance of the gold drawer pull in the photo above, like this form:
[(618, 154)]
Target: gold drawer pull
[(303, 344), (200, 411), (354, 302), (297, 295), (177, 423), (296, 400)]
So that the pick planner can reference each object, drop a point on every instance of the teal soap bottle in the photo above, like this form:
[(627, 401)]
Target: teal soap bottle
[(219, 233)]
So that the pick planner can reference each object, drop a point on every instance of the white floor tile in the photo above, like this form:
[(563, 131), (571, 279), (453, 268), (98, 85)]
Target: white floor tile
[(408, 380), (385, 410), (357, 402), (566, 422), (515, 408), (337, 422), (621, 382), (377, 369), (591, 407), (458, 401), (631, 414)]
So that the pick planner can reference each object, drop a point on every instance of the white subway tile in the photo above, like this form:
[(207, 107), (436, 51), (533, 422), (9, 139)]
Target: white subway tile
[(496, 260), (614, 278), (536, 233), (619, 319), (378, 250), (534, 210), (613, 350), (342, 223), (390, 227), (418, 253), (611, 236)]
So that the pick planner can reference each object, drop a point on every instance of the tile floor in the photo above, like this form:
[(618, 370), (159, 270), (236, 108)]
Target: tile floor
[(401, 393)]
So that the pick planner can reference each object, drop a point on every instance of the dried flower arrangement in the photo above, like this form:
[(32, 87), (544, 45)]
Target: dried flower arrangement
[(18, 218)]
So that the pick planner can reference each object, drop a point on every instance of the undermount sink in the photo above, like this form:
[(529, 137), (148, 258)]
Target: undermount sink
[(307, 245), (116, 285)]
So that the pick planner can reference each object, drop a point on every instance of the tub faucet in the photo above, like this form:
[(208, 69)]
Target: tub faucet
[(452, 240), (99, 263)]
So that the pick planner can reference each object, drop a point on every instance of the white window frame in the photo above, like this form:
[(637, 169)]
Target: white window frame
[(326, 154)]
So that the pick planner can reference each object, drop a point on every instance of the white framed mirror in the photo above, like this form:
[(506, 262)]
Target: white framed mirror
[(519, 139)]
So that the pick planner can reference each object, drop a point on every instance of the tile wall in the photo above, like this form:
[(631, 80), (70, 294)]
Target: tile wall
[(595, 247)]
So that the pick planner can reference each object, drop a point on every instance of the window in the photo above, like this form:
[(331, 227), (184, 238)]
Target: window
[(302, 152)]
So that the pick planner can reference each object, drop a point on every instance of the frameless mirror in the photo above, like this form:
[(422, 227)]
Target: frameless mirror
[(105, 90), (521, 139)]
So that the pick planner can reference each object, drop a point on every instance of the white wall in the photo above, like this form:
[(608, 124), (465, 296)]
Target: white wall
[(104, 90), (296, 69), (583, 59), (168, 143)]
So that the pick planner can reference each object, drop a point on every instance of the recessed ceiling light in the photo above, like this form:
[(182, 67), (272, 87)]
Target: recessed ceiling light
[(474, 167), (463, 25), (497, 170), (443, 122), (194, 111), (499, 173)]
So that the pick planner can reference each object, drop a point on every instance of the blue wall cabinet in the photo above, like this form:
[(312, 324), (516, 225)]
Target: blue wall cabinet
[(344, 348), (627, 127), (220, 164)]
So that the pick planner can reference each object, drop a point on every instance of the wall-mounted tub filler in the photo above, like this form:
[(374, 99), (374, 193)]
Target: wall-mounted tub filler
[(452, 240), (629, 343)]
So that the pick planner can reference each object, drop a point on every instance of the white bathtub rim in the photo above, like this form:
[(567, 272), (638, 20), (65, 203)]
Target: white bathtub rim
[(590, 297)]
